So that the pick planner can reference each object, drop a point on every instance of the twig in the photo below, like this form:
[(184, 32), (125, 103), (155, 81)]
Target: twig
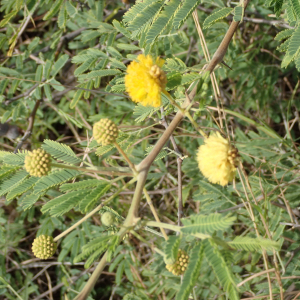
[(25, 94), (28, 131), (254, 276), (154, 212), (179, 164)]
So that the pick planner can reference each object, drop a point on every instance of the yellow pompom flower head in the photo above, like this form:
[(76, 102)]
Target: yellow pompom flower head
[(44, 247), (218, 159), (180, 265), (145, 80), (38, 163), (105, 132)]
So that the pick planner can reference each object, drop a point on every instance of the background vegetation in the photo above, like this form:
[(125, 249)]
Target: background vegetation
[(62, 67)]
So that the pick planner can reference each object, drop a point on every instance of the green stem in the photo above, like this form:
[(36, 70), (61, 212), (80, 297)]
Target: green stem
[(187, 113), (131, 165), (105, 171), (176, 228), (93, 279), (164, 225), (94, 210)]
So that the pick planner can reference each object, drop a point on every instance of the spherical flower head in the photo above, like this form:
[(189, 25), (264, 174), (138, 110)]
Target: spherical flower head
[(217, 159), (108, 219), (179, 267), (44, 247), (145, 80), (105, 132), (38, 163)]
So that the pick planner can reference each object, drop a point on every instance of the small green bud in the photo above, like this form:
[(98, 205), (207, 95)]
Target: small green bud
[(108, 219)]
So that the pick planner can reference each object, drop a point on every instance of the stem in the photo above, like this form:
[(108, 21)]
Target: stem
[(154, 213), (131, 165), (105, 171), (93, 279), (187, 113), (94, 210)]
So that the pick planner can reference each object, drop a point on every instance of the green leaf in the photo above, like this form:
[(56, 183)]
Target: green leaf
[(254, 244), (85, 66), (163, 153), (5, 171), (76, 98), (162, 20), (16, 159), (238, 14), (54, 9), (192, 273), (59, 64), (99, 73), (278, 7), (93, 249), (21, 188), (30, 200), (121, 28), (219, 266), (131, 14), (206, 224), (33, 44), (64, 203), (53, 179), (145, 15), (71, 10), (297, 62), (284, 34), (143, 112), (214, 17), (62, 17), (7, 18), (56, 85), (128, 47), (84, 184), (184, 12), (61, 152), (171, 249), (296, 7), (13, 182), (294, 45), (89, 200)]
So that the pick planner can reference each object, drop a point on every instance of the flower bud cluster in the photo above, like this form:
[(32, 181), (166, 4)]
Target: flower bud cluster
[(179, 267), (105, 132), (44, 247), (38, 163)]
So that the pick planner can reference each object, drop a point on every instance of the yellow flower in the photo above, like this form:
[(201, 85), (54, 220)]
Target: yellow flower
[(217, 159), (145, 80)]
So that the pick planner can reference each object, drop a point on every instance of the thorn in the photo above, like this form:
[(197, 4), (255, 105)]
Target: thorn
[(224, 63)]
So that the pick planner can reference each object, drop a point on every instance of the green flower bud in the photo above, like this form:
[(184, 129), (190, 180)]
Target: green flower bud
[(108, 219)]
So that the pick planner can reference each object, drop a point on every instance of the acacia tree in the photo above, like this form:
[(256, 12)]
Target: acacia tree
[(170, 103)]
